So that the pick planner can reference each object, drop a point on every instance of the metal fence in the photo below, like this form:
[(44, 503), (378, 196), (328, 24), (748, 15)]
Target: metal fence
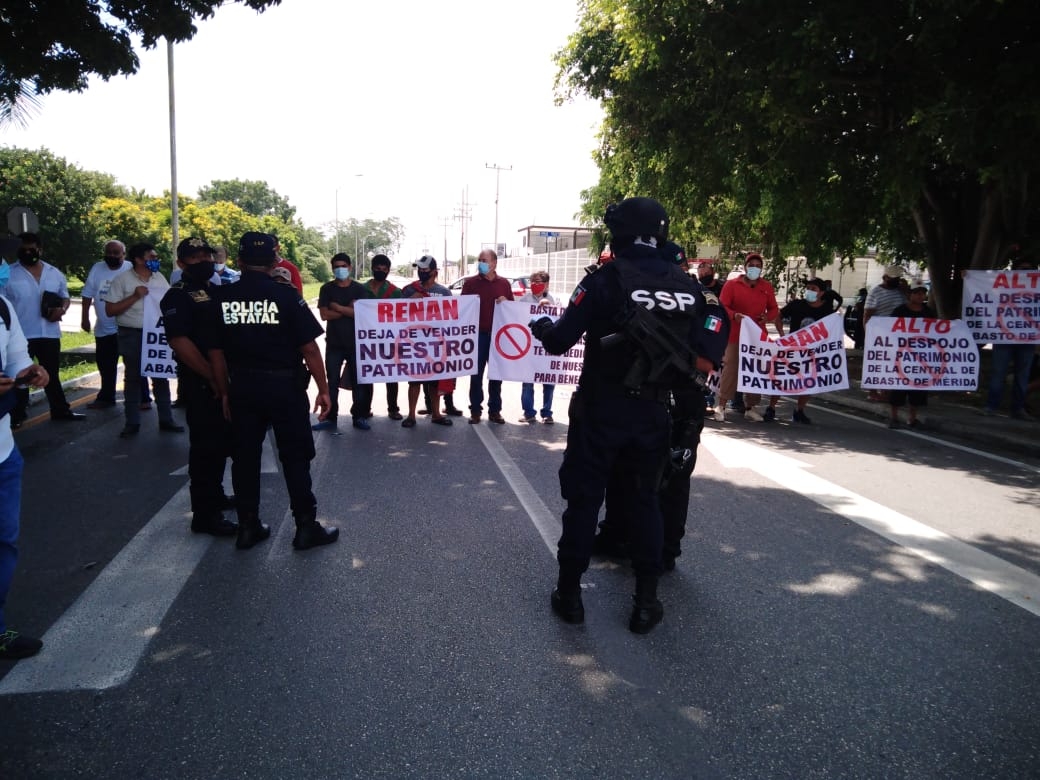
[(565, 269)]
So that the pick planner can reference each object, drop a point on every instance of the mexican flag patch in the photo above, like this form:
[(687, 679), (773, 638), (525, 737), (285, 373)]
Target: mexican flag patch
[(713, 323)]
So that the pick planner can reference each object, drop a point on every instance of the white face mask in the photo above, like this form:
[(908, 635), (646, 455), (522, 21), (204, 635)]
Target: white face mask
[(219, 267), (753, 272), (810, 296), (341, 273)]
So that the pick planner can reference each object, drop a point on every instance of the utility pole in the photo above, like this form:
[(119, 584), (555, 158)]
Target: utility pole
[(462, 215), (445, 222), (174, 202), (498, 170)]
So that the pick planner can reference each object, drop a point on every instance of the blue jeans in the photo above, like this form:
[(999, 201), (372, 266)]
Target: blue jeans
[(527, 399), (476, 382), (10, 506), (1003, 355)]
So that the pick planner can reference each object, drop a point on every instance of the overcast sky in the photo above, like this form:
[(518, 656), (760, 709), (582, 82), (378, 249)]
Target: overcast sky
[(445, 88)]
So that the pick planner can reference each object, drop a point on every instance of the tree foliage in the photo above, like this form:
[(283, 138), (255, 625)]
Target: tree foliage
[(58, 44), (253, 197), (823, 127)]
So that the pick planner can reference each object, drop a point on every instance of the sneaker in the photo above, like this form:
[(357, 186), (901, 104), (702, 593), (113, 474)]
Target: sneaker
[(362, 424), (800, 416), (325, 425), (548, 420), (770, 414), (720, 415), (754, 415), (14, 646), (526, 419)]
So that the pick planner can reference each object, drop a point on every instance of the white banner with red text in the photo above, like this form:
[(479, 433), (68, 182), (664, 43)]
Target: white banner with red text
[(516, 356), (416, 339), (807, 361), (919, 353), (1002, 307)]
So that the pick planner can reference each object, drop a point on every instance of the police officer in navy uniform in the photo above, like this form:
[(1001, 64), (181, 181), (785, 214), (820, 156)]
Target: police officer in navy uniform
[(620, 410), (265, 334), (189, 309)]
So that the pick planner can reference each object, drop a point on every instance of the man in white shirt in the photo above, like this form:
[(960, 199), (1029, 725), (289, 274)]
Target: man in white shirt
[(105, 340)]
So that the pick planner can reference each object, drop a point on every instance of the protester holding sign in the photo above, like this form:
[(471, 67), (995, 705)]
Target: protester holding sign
[(540, 296), (801, 313), (918, 399), (125, 301)]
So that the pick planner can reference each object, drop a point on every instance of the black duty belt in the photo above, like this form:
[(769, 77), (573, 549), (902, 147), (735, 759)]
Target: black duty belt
[(287, 373), (644, 393)]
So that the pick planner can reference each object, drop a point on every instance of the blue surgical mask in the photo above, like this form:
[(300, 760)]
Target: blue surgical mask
[(753, 272), (483, 268), (5, 273), (152, 265), (341, 273), (811, 296)]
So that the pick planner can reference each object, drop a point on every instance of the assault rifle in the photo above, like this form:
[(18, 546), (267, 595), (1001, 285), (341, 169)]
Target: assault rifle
[(661, 355)]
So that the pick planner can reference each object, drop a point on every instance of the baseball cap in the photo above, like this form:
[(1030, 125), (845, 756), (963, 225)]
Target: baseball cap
[(191, 246), (426, 263), (257, 247), (918, 284), (894, 272)]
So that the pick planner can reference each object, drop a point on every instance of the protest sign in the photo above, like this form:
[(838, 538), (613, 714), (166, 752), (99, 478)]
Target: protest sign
[(157, 358), (516, 356), (1002, 307), (919, 353), (416, 339), (806, 362)]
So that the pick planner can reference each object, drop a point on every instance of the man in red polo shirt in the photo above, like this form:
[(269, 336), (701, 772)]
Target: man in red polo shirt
[(491, 288), (747, 296)]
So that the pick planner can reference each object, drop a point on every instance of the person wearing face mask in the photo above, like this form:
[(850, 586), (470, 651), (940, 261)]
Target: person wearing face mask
[(32, 283), (749, 295), (226, 275), (188, 308), (492, 289), (106, 342), (379, 287), (425, 287), (125, 301), (707, 277), (801, 312), (336, 307), (538, 294)]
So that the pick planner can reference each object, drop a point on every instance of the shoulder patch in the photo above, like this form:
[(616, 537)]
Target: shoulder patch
[(711, 298), (199, 296), (577, 295), (713, 323)]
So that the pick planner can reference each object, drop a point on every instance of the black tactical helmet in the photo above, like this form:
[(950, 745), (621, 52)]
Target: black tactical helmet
[(634, 217)]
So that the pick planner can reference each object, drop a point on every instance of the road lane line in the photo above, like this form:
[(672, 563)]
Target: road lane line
[(100, 639), (987, 571), (925, 437), (544, 521)]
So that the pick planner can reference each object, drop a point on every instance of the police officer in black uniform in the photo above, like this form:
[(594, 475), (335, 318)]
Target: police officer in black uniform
[(687, 413), (620, 410), (189, 309), (265, 333)]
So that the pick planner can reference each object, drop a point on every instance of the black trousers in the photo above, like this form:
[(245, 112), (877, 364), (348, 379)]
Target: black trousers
[(47, 353), (259, 400), (108, 365), (209, 444), (605, 431)]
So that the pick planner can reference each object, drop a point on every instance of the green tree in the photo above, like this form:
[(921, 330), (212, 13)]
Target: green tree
[(62, 196), (830, 125), (253, 197), (56, 44)]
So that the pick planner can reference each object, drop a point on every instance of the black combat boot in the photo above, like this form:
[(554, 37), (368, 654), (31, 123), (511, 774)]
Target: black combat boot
[(213, 523), (250, 530), (647, 611), (310, 533), (566, 597)]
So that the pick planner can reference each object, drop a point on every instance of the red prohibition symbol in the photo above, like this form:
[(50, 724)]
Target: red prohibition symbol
[(513, 341)]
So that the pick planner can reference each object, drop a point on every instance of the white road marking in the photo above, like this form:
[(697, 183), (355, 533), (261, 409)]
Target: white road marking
[(988, 572), (268, 460), (925, 437), (100, 639), (544, 521)]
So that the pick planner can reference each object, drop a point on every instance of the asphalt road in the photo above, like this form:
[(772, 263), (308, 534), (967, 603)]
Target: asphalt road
[(845, 606)]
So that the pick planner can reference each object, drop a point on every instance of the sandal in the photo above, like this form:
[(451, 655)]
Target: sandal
[(442, 421), (409, 422)]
